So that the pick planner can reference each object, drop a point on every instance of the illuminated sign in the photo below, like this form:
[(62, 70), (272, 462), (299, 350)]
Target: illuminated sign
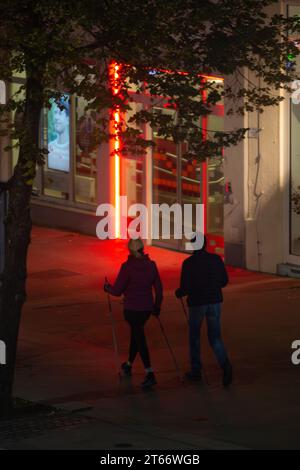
[(59, 135)]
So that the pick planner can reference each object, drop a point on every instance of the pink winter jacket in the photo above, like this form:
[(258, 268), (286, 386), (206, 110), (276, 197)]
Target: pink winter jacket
[(135, 281)]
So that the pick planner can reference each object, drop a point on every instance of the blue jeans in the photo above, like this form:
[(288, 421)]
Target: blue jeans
[(212, 312)]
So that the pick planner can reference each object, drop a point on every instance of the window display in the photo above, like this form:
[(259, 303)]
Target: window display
[(70, 170), (59, 135)]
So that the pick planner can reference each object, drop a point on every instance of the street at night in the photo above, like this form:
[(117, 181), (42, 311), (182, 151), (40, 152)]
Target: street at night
[(149, 231), (66, 356)]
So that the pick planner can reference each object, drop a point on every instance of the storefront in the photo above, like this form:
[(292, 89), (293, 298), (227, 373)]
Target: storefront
[(165, 176), (66, 189), (79, 173)]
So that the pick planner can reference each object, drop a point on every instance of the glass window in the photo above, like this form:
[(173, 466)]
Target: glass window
[(132, 179), (165, 174), (132, 168), (215, 212), (215, 173), (56, 129), (191, 187), (57, 135), (188, 181), (165, 158), (87, 147)]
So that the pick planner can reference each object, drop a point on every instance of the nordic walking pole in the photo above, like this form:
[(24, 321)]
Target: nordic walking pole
[(114, 334), (170, 349), (184, 310)]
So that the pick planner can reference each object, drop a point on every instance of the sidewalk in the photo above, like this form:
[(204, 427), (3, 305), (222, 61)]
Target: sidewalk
[(66, 358)]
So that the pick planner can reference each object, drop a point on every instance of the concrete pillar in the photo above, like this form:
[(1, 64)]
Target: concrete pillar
[(264, 218)]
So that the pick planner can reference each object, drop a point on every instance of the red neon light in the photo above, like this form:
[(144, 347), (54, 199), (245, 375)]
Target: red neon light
[(115, 87)]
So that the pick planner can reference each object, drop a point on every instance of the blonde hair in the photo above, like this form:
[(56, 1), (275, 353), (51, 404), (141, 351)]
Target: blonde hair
[(136, 247)]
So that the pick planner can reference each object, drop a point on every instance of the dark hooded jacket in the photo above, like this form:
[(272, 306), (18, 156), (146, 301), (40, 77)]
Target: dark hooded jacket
[(202, 277)]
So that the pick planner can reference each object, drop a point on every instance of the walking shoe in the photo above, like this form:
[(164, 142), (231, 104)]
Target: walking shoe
[(149, 380), (193, 376), (126, 369), (227, 374)]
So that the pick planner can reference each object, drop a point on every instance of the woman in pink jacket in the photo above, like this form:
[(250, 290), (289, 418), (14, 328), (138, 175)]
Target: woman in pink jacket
[(136, 280)]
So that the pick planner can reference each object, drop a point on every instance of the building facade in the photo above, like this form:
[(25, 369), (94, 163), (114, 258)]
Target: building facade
[(251, 193), (261, 219)]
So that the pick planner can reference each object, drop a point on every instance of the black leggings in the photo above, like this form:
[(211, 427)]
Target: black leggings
[(138, 341)]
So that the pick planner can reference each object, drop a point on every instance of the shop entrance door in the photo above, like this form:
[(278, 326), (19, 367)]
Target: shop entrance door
[(175, 180), (179, 180)]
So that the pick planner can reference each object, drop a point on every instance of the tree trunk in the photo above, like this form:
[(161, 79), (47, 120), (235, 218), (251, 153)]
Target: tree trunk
[(18, 229)]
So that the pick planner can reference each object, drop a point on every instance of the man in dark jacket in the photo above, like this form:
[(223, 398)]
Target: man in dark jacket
[(202, 277)]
